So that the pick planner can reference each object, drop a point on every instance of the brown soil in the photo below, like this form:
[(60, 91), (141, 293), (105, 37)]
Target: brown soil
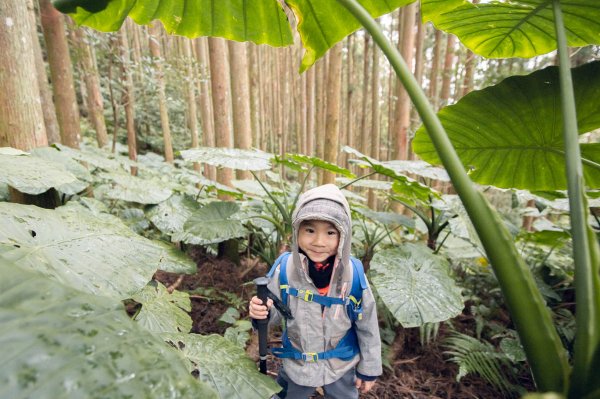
[(418, 372)]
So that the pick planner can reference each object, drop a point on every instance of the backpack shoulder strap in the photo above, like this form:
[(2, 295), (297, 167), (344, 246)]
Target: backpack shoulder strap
[(359, 280), (281, 259)]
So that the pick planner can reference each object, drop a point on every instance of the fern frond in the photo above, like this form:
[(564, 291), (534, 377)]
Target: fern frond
[(481, 358)]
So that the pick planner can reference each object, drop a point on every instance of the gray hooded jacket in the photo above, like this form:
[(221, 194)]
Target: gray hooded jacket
[(313, 330)]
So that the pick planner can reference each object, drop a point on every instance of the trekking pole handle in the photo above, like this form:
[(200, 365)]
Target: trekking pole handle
[(262, 294)]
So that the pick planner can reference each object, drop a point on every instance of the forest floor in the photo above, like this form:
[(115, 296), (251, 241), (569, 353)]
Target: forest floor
[(416, 372)]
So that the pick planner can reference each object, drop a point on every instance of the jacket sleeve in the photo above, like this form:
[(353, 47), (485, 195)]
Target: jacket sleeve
[(274, 315), (367, 330)]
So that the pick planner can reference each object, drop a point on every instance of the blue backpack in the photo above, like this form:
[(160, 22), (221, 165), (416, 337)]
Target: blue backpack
[(348, 347)]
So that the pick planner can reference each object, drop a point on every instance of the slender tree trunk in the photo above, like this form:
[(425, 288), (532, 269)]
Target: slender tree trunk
[(319, 133), (402, 113), (419, 60), (332, 125), (447, 72), (255, 110), (364, 147), (92, 85), (48, 109), (128, 98), (219, 72), (61, 71), (21, 119), (206, 113), (310, 123), (350, 92), (192, 113), (375, 132), (240, 93), (154, 44), (435, 69)]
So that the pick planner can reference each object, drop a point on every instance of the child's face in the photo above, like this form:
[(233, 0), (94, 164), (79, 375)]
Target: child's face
[(318, 239)]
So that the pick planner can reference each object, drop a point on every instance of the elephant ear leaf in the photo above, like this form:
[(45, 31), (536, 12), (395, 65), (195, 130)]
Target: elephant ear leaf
[(510, 135), (323, 23), (258, 21), (518, 28), (63, 343), (415, 285)]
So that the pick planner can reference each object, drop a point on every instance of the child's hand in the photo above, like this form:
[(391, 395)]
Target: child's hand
[(257, 310), (364, 386)]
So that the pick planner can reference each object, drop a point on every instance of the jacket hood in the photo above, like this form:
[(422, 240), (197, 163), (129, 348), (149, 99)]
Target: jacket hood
[(326, 203)]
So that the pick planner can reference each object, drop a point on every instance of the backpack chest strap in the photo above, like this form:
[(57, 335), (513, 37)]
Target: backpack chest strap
[(309, 296)]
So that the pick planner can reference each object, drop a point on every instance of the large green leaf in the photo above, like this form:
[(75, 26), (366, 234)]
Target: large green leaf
[(55, 155), (163, 311), (259, 21), (34, 175), (510, 134), (60, 343), (323, 23), (215, 222), (415, 285), (96, 254), (233, 158), (516, 28), (130, 188), (320, 163), (97, 158), (169, 216), (224, 366)]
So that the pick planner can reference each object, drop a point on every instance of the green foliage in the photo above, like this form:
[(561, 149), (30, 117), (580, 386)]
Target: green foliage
[(65, 343), (519, 28), (224, 366), (480, 357), (509, 135), (213, 223), (163, 311), (415, 285), (97, 254)]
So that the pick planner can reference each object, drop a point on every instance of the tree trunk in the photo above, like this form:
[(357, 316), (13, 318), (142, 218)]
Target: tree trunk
[(128, 98), (374, 150), (61, 71), (310, 116), (435, 69), (92, 85), (206, 113), (447, 72), (240, 93), (154, 44), (332, 125), (21, 119), (255, 110), (419, 61), (192, 112), (219, 72), (364, 147), (48, 109), (319, 133), (402, 112)]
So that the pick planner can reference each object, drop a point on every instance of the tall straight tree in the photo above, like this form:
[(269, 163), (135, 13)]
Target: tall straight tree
[(332, 124), (128, 96), (92, 85), (435, 68), (65, 100), (21, 119), (219, 74), (240, 93), (375, 132), (402, 111), (190, 90), (447, 71), (206, 114), (321, 101), (157, 60), (364, 137), (48, 109)]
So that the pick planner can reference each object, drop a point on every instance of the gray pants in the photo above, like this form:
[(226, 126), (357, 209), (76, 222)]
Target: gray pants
[(343, 388)]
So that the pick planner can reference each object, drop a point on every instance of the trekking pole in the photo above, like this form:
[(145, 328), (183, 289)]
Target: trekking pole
[(262, 294)]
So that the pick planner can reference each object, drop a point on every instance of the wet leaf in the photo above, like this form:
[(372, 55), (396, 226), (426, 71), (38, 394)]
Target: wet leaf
[(163, 311)]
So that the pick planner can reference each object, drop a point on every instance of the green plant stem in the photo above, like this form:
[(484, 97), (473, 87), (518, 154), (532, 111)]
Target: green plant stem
[(357, 179), (587, 286), (532, 319)]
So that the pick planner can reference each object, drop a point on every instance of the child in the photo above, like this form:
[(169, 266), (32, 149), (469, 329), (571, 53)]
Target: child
[(320, 262)]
